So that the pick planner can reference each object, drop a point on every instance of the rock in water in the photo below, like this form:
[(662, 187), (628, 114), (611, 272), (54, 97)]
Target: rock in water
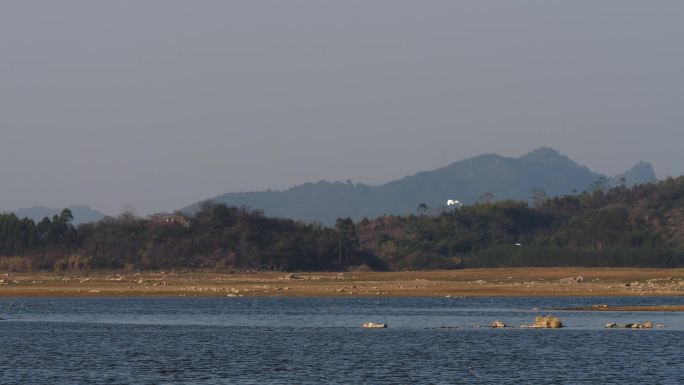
[(636, 325), (547, 322), (498, 324), (373, 325)]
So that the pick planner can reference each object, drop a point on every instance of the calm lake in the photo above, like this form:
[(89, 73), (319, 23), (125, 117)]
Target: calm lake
[(319, 341)]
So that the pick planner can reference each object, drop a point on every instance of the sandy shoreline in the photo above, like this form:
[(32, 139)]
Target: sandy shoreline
[(470, 282)]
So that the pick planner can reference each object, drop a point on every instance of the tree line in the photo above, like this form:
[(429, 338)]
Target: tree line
[(637, 226), (215, 237)]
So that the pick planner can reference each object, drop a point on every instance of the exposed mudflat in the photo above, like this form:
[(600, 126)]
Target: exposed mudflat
[(630, 308), (468, 282)]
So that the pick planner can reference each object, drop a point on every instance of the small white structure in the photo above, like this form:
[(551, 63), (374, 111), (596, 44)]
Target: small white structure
[(453, 202)]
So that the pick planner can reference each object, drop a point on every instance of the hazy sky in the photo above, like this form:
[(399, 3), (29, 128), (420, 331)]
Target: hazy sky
[(159, 104)]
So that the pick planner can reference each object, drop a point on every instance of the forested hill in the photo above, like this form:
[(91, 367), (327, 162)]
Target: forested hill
[(483, 178), (81, 214), (638, 226)]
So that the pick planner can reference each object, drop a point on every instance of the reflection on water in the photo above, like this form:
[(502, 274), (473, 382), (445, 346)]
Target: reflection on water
[(318, 340)]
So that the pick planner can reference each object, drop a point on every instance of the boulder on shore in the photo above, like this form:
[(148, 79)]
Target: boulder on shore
[(291, 276), (548, 321), (578, 279)]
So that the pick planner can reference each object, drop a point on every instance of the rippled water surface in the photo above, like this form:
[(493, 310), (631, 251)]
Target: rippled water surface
[(319, 341)]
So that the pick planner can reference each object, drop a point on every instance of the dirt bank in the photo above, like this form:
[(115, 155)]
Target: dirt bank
[(469, 282)]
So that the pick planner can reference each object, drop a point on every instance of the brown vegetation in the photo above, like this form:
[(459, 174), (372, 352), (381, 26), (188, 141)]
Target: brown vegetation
[(15, 263)]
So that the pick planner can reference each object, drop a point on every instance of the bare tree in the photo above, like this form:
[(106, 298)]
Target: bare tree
[(422, 209), (538, 196), (486, 197)]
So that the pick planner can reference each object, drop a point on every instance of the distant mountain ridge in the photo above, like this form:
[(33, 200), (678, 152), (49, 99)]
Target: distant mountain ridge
[(82, 214), (487, 176)]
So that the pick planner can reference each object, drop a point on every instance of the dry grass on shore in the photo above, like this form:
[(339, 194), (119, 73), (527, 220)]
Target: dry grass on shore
[(468, 282)]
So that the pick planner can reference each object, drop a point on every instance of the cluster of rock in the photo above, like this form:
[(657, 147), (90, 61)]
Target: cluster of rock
[(551, 322), (527, 284), (541, 322), (657, 284), (636, 325), (292, 276), (8, 278), (229, 291), (134, 277), (578, 279)]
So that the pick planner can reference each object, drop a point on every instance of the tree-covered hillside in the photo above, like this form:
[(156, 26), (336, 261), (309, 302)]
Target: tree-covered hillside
[(216, 237), (623, 226), (638, 226)]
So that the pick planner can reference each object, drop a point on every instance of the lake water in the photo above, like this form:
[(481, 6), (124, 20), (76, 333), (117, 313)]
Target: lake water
[(319, 341)]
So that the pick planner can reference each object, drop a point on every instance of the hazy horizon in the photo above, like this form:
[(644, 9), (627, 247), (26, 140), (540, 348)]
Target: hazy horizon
[(129, 207), (160, 104)]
